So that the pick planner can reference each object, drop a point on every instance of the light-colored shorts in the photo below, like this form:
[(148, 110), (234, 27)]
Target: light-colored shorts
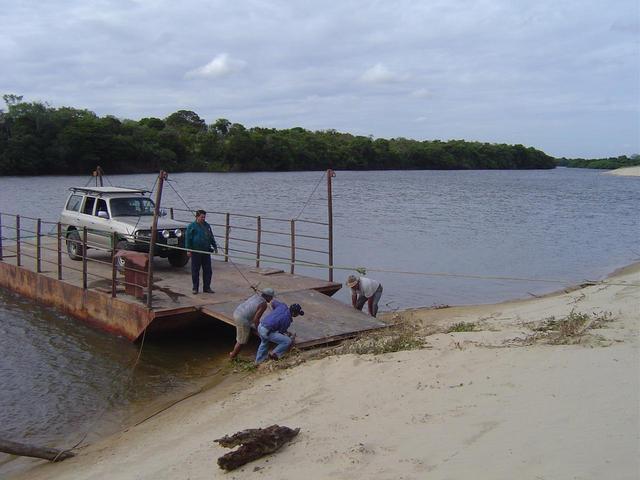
[(243, 329)]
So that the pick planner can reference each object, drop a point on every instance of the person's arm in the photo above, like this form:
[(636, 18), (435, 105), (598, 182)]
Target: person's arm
[(370, 305), (259, 312), (187, 240), (354, 297), (214, 245)]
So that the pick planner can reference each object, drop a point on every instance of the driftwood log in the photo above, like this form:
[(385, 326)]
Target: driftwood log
[(24, 450), (254, 443)]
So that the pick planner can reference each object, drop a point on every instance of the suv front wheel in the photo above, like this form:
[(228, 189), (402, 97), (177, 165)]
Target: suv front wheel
[(74, 245), (178, 258)]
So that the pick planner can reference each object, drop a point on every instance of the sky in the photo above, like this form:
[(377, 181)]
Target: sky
[(559, 75)]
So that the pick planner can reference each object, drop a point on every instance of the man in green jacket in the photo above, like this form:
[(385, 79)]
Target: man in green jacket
[(199, 240)]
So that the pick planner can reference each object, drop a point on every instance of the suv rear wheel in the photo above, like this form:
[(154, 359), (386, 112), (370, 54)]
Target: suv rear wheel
[(74, 245), (178, 258)]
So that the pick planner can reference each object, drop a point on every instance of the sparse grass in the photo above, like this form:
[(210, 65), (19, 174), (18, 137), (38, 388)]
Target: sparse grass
[(393, 340), (462, 327), (570, 329), (243, 365)]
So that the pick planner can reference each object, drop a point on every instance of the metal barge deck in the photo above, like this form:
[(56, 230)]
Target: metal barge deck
[(89, 297)]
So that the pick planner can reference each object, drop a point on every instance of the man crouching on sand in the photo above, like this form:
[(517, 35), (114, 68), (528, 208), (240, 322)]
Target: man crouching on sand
[(274, 328), (247, 315)]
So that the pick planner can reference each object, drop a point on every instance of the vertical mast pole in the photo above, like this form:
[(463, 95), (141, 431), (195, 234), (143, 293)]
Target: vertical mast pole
[(330, 175), (154, 233)]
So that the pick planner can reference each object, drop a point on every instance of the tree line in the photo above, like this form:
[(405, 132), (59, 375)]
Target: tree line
[(36, 138), (609, 163)]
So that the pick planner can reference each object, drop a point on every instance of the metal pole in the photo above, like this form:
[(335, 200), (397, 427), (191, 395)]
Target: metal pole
[(114, 242), (59, 251), (99, 172), (330, 175), (259, 227), (154, 233), (84, 258), (0, 237), (227, 230), (18, 240), (293, 245), (38, 249)]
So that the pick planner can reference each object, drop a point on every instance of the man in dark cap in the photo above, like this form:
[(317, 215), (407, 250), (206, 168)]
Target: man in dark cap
[(274, 328)]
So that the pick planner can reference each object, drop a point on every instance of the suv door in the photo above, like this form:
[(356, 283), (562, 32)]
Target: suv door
[(100, 234), (88, 219)]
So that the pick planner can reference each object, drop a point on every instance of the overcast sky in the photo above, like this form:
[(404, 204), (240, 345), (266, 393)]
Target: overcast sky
[(559, 75)]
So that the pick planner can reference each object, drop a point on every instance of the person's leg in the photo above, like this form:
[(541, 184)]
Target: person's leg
[(361, 300), (206, 272), (263, 349), (283, 342), (195, 270), (376, 299), (243, 331)]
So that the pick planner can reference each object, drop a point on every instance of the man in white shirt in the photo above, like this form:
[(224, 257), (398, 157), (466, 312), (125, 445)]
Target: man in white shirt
[(365, 290)]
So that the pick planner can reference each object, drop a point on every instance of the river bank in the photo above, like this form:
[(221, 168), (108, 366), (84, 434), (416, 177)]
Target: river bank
[(519, 393), (626, 171)]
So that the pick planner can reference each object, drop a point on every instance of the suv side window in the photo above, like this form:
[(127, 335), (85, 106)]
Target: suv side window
[(88, 205), (74, 202), (102, 206)]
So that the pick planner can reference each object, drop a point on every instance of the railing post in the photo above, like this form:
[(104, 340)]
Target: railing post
[(38, 249), (293, 245), (0, 237), (59, 251), (258, 236), (18, 240), (84, 258), (227, 230), (330, 175), (114, 242)]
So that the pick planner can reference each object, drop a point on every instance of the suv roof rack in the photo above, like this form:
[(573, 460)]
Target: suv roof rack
[(105, 190)]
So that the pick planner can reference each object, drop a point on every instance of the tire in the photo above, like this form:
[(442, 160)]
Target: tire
[(120, 262), (74, 245), (178, 259)]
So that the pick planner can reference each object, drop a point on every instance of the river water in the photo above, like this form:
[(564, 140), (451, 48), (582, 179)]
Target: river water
[(61, 380)]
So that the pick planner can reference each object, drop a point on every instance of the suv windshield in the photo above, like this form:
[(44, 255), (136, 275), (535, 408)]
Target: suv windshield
[(131, 207)]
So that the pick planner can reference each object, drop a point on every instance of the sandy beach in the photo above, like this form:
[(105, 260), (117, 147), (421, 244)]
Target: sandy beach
[(516, 397), (625, 171)]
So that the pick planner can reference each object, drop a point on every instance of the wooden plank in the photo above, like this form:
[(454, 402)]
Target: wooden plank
[(325, 318)]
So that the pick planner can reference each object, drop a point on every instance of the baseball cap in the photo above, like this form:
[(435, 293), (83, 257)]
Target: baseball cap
[(296, 308)]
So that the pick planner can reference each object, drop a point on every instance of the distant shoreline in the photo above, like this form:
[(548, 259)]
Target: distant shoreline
[(625, 171)]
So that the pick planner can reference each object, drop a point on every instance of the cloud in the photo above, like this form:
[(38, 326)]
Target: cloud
[(220, 66), (381, 74), (422, 93)]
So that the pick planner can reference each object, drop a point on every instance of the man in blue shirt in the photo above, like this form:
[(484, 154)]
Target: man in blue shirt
[(274, 328), (199, 237)]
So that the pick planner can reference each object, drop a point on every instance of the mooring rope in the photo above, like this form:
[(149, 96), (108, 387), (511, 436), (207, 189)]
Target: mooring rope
[(111, 397)]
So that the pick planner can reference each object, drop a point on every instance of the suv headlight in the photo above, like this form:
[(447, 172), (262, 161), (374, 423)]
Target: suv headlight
[(143, 234), (178, 232), (166, 233)]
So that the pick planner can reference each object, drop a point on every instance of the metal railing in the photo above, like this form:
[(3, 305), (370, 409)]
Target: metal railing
[(266, 240)]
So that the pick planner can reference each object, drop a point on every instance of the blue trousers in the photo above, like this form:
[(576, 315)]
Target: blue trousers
[(281, 340), (201, 260)]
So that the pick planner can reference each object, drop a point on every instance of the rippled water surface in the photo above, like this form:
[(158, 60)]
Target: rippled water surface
[(61, 379)]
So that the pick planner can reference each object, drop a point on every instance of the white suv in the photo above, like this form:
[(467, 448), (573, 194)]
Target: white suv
[(127, 212)]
